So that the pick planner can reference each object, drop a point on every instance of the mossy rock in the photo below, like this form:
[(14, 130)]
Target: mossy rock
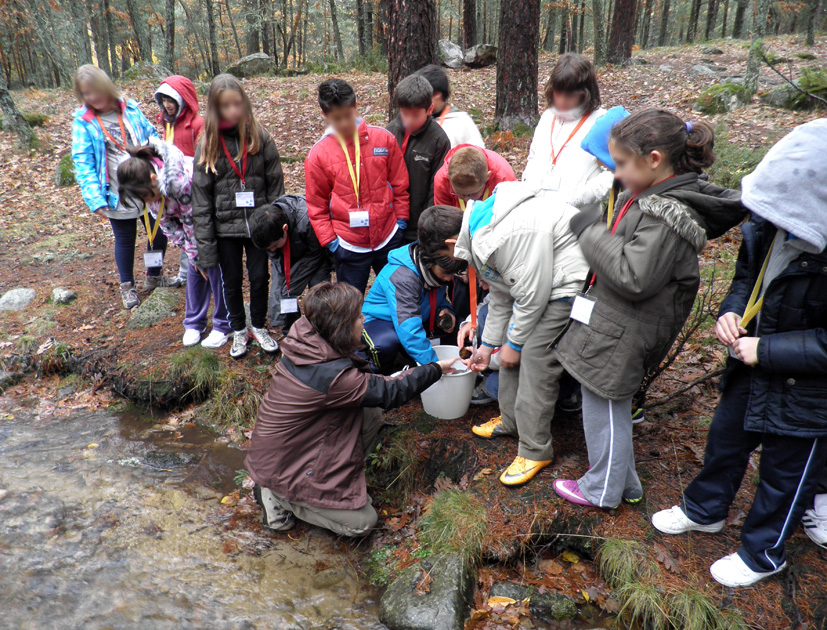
[(521, 130), (786, 96), (35, 119), (723, 98), (162, 303), (65, 172), (806, 56)]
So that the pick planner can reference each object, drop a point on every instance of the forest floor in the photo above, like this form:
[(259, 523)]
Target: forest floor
[(50, 240)]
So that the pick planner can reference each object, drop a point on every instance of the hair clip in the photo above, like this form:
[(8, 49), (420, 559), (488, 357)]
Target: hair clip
[(689, 127)]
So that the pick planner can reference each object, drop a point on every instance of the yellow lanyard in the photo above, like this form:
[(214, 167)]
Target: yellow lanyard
[(150, 233), (755, 303), (485, 196), (611, 211), (355, 175), (170, 133)]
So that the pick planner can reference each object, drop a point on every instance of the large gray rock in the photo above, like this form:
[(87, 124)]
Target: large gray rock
[(158, 306), (711, 50), (480, 56), (61, 295), (665, 68), (450, 55), (547, 607), (16, 299), (700, 70), (253, 65), (443, 607), (788, 97), (723, 98)]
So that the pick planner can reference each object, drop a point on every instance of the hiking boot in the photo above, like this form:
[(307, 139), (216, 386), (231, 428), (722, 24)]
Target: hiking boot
[(733, 572), (522, 471), (675, 521), (491, 429), (239, 348), (275, 517), (129, 295), (570, 491), (154, 282), (265, 340)]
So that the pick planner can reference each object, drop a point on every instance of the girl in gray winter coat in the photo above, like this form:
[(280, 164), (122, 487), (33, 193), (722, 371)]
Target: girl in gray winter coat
[(645, 276)]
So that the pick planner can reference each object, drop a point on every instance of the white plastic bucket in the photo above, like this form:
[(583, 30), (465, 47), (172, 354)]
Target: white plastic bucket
[(450, 397)]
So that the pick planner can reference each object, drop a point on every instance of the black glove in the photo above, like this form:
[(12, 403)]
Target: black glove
[(583, 219)]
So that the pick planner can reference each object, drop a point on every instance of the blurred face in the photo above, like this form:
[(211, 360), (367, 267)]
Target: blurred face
[(414, 117), (475, 192), (566, 101), (638, 172), (438, 103), (156, 191), (95, 98), (342, 120), (170, 106), (358, 327), (440, 274), (277, 245), (231, 107)]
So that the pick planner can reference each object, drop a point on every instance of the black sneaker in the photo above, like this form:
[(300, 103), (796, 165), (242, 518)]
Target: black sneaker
[(572, 404), (275, 517)]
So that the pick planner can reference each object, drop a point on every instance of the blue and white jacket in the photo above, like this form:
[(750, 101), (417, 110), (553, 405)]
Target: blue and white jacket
[(399, 296), (89, 152)]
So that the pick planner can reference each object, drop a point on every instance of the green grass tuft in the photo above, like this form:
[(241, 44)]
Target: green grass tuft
[(240, 476), (35, 119), (456, 522), (733, 160), (201, 367), (624, 561), (396, 462), (806, 56), (643, 606), (691, 609), (27, 344), (234, 401)]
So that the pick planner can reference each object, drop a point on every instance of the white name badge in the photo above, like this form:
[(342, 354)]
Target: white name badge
[(153, 259), (246, 199), (581, 309), (435, 341), (289, 305), (360, 218)]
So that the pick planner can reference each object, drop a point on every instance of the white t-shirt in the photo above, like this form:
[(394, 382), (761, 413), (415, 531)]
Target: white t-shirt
[(461, 129)]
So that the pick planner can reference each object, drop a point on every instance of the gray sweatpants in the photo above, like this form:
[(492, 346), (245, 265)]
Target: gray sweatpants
[(528, 392), (306, 272), (608, 428), (344, 522)]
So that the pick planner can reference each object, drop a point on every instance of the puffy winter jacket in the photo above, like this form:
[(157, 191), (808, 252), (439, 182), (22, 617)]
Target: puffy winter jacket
[(214, 210), (187, 124), (646, 279), (383, 187), (89, 152), (527, 255), (398, 296), (426, 150), (307, 444), (499, 168), (459, 127)]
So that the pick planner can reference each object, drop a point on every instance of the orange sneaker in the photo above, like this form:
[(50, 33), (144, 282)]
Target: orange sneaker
[(491, 429), (521, 471)]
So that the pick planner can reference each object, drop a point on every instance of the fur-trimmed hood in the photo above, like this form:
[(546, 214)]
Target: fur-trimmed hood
[(677, 216)]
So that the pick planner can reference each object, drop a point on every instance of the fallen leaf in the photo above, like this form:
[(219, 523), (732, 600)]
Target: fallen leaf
[(663, 556), (93, 445), (551, 567), (424, 585), (229, 500), (485, 472), (500, 601), (568, 556), (443, 483)]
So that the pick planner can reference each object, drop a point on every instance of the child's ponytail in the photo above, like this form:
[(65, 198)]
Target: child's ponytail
[(687, 146), (135, 175)]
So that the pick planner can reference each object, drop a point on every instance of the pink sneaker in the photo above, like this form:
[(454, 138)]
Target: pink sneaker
[(570, 491)]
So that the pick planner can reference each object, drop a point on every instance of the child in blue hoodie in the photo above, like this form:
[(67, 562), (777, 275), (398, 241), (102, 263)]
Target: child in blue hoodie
[(407, 301)]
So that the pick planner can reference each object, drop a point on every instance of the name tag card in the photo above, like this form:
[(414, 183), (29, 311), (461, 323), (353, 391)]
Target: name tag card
[(153, 259), (289, 305), (359, 219), (581, 309), (246, 199)]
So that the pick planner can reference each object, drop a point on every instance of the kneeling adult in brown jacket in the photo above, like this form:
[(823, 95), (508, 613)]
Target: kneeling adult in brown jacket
[(322, 416)]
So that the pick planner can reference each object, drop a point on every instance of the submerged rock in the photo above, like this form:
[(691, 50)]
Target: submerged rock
[(16, 299), (439, 604), (158, 306), (450, 55), (547, 607), (331, 577)]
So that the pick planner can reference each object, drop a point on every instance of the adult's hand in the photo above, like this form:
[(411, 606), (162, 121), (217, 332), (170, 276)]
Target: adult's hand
[(746, 349), (464, 334), (480, 359), (509, 357), (447, 365), (728, 328)]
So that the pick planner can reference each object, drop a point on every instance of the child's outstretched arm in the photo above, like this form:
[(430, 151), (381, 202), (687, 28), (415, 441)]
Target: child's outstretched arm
[(354, 388)]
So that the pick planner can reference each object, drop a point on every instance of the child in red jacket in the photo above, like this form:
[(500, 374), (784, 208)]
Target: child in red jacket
[(356, 186), (178, 105)]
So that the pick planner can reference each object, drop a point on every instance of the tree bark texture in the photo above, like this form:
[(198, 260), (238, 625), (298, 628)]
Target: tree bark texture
[(622, 35), (517, 60), (215, 67), (469, 23), (599, 33), (337, 35), (14, 120), (138, 21), (169, 34), (411, 41)]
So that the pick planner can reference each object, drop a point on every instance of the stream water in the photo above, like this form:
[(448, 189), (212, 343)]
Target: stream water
[(106, 523)]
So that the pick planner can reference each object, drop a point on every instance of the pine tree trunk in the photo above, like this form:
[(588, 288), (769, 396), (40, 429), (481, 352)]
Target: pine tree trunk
[(411, 41), (251, 39), (647, 24), (360, 26), (169, 34), (711, 18), (138, 21), (694, 16), (551, 26), (99, 32), (110, 38), (215, 68), (369, 9), (599, 33), (581, 43), (382, 30), (469, 23), (740, 15), (663, 34), (83, 44), (517, 63), (12, 119), (232, 24), (812, 12), (337, 36), (622, 35), (564, 33), (724, 19)]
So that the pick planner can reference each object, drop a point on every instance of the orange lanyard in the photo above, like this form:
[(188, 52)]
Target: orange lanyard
[(472, 288), (444, 113), (551, 139), (120, 146)]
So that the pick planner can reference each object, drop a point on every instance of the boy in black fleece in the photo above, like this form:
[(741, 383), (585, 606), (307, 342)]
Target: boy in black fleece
[(423, 142)]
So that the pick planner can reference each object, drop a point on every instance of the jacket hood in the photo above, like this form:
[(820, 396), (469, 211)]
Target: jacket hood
[(182, 90), (401, 257), (789, 186), (304, 346), (174, 162)]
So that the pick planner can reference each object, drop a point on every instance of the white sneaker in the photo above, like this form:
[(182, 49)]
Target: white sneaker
[(675, 521), (215, 339), (191, 337), (267, 343), (239, 348), (733, 572), (815, 526)]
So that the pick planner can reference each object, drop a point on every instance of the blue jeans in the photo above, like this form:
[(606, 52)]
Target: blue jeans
[(354, 268), (126, 235)]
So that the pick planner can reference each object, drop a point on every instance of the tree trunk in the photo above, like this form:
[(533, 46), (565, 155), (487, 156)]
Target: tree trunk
[(382, 30), (740, 14), (564, 32), (83, 44), (215, 67), (551, 26), (581, 42), (110, 38), (368, 9), (694, 16), (647, 24), (411, 41), (12, 119), (599, 33), (469, 23), (138, 21), (812, 12), (621, 38), (724, 19), (517, 64), (99, 33), (756, 49), (169, 34), (337, 36), (360, 26), (711, 18), (232, 24), (663, 35)]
